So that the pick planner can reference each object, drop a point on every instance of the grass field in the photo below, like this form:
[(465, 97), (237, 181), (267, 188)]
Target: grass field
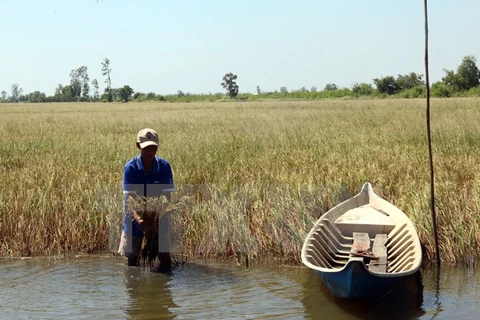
[(251, 177)]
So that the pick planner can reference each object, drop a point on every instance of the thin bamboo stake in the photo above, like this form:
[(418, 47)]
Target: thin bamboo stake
[(429, 141)]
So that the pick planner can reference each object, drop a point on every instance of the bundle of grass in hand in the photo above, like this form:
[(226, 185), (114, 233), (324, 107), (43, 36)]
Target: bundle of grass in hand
[(153, 211)]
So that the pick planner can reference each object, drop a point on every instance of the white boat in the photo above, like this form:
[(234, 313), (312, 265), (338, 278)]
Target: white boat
[(362, 247)]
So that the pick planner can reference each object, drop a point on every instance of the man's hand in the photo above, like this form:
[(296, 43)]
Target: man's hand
[(144, 222)]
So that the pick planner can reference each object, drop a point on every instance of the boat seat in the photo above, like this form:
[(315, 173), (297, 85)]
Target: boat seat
[(361, 242), (380, 251), (365, 218)]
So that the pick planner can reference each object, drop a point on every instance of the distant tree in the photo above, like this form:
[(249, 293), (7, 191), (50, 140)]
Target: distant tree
[(36, 96), (283, 90), (362, 89), (4, 96), (303, 89), (125, 93), (452, 80), (180, 93), (75, 83), (330, 87), (386, 85), (137, 95), (83, 71), (441, 90), (106, 70), (409, 81), (230, 84), (16, 92), (115, 94), (58, 96), (59, 90), (258, 90), (95, 89), (67, 93), (79, 83), (466, 77), (313, 89), (469, 72)]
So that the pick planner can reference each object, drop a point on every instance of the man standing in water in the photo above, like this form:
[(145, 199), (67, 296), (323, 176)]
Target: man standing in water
[(146, 176)]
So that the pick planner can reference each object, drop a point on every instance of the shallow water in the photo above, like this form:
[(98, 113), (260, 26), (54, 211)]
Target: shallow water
[(103, 287)]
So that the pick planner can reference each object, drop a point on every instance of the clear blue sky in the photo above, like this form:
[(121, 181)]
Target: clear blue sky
[(188, 45)]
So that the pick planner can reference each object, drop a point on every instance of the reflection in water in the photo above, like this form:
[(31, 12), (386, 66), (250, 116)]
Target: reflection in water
[(54, 288), (437, 303), (149, 294), (404, 302), (226, 292), (200, 291), (104, 287), (452, 292)]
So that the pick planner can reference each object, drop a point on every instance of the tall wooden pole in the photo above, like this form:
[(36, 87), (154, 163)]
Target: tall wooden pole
[(429, 140)]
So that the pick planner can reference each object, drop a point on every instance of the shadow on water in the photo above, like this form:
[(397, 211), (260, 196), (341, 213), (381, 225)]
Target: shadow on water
[(404, 302)]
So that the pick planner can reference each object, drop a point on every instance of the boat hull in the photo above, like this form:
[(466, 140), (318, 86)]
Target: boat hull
[(372, 227), (354, 281)]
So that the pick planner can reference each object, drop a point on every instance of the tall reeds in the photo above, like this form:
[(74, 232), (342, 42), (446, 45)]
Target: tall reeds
[(251, 177)]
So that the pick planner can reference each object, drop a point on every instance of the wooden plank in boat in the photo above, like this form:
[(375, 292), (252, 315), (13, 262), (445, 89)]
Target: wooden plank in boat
[(380, 251), (361, 242)]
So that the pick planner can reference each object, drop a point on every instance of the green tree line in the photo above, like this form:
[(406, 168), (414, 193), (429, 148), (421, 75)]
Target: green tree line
[(465, 81)]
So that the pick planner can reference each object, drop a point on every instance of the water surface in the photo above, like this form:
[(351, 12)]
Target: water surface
[(103, 287)]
